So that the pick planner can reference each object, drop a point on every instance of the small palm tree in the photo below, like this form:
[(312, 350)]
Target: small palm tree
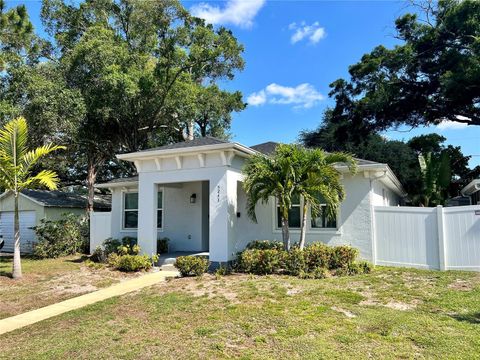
[(271, 176), (16, 163), (316, 179), (436, 177)]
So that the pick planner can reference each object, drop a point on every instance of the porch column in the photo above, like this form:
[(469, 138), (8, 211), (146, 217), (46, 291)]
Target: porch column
[(223, 204), (147, 216)]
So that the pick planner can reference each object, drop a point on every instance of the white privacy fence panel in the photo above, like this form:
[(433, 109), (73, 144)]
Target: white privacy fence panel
[(100, 228), (431, 238), (462, 237)]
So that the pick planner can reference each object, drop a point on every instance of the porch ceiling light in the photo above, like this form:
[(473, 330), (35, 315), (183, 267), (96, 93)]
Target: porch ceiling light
[(193, 198)]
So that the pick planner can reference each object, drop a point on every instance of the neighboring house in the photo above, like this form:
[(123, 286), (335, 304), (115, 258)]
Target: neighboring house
[(36, 205), (472, 190), (191, 192)]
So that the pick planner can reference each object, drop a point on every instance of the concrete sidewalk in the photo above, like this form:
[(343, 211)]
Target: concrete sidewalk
[(34, 316)]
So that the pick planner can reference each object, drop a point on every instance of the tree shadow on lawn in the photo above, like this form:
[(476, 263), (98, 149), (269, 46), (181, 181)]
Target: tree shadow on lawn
[(6, 263), (472, 318), (81, 259)]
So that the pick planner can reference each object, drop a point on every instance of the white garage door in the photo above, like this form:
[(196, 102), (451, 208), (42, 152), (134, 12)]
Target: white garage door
[(27, 234)]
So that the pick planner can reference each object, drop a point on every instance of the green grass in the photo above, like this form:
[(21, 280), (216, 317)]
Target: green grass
[(48, 281), (392, 313)]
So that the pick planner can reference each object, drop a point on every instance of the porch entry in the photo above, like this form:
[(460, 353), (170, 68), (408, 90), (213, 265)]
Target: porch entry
[(183, 215)]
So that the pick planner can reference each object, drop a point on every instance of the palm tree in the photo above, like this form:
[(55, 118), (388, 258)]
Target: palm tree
[(436, 176), (316, 179), (16, 163), (272, 176)]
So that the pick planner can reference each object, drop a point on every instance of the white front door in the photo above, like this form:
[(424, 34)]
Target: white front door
[(27, 234)]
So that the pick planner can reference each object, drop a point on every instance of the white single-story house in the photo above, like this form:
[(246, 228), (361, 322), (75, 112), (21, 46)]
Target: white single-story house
[(35, 205), (191, 192)]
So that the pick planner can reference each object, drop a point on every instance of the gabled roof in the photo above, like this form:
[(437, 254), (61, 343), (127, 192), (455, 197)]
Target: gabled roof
[(63, 199), (268, 148), (201, 141)]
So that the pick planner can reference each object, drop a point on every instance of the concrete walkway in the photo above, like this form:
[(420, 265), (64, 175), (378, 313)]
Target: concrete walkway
[(34, 316)]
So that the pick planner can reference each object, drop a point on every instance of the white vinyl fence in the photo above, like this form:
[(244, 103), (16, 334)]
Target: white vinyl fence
[(100, 228), (429, 238)]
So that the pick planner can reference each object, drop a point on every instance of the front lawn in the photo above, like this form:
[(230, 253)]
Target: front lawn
[(49, 281), (391, 313)]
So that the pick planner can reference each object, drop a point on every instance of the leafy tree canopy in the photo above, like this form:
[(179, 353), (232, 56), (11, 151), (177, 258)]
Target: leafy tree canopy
[(432, 76)]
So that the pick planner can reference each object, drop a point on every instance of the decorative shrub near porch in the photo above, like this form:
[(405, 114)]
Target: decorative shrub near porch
[(315, 261), (123, 255), (192, 265)]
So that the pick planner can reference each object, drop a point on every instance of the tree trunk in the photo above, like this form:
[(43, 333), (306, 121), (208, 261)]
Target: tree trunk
[(285, 233), (91, 178), (17, 265), (190, 130), (303, 229)]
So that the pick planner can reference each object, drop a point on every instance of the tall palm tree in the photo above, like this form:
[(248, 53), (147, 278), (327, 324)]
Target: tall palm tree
[(316, 179), (16, 163), (272, 176)]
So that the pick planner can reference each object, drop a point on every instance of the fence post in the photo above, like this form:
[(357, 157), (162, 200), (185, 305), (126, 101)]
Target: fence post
[(441, 238)]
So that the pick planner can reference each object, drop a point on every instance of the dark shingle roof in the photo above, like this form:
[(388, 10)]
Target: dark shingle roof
[(66, 199), (268, 148), (201, 141), (122, 180)]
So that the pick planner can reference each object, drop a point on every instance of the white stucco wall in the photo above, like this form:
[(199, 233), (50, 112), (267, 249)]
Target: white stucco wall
[(382, 195), (353, 222)]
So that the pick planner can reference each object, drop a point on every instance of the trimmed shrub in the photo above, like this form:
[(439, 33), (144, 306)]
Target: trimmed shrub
[(317, 273), (260, 262), (359, 267), (162, 245), (191, 265), (294, 262), (265, 245), (131, 263), (112, 260), (129, 241), (110, 246), (342, 256), (66, 236), (318, 255)]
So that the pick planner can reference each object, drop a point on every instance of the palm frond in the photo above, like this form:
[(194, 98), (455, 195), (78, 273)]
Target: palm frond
[(46, 178), (31, 157)]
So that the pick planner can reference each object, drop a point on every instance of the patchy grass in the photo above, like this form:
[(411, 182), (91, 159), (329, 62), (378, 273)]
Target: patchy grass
[(49, 281), (391, 313)]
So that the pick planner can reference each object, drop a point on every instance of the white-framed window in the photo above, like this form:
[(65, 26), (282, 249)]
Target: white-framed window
[(130, 210), (321, 221), (294, 214), (160, 209)]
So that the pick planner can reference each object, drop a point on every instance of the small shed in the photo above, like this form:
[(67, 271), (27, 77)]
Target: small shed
[(35, 205)]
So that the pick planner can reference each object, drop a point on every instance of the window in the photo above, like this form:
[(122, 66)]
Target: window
[(294, 214), (159, 209), (130, 210), (322, 221)]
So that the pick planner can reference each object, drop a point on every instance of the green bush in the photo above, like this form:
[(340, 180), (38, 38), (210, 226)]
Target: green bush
[(66, 236), (294, 262), (192, 265), (260, 262), (342, 256), (162, 245), (317, 273), (110, 246), (265, 245), (129, 241), (131, 263), (356, 268), (318, 255)]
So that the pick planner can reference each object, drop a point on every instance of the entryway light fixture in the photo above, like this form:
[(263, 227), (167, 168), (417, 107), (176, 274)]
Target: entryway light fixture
[(193, 198)]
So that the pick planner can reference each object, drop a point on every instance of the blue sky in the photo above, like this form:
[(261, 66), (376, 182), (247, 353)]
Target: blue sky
[(293, 51)]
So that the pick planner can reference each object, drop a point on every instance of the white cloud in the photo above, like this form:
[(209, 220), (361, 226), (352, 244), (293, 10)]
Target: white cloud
[(257, 98), (314, 33), (302, 96), (451, 125), (236, 12)]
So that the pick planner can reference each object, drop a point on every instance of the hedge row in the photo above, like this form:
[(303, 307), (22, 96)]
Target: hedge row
[(316, 260)]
